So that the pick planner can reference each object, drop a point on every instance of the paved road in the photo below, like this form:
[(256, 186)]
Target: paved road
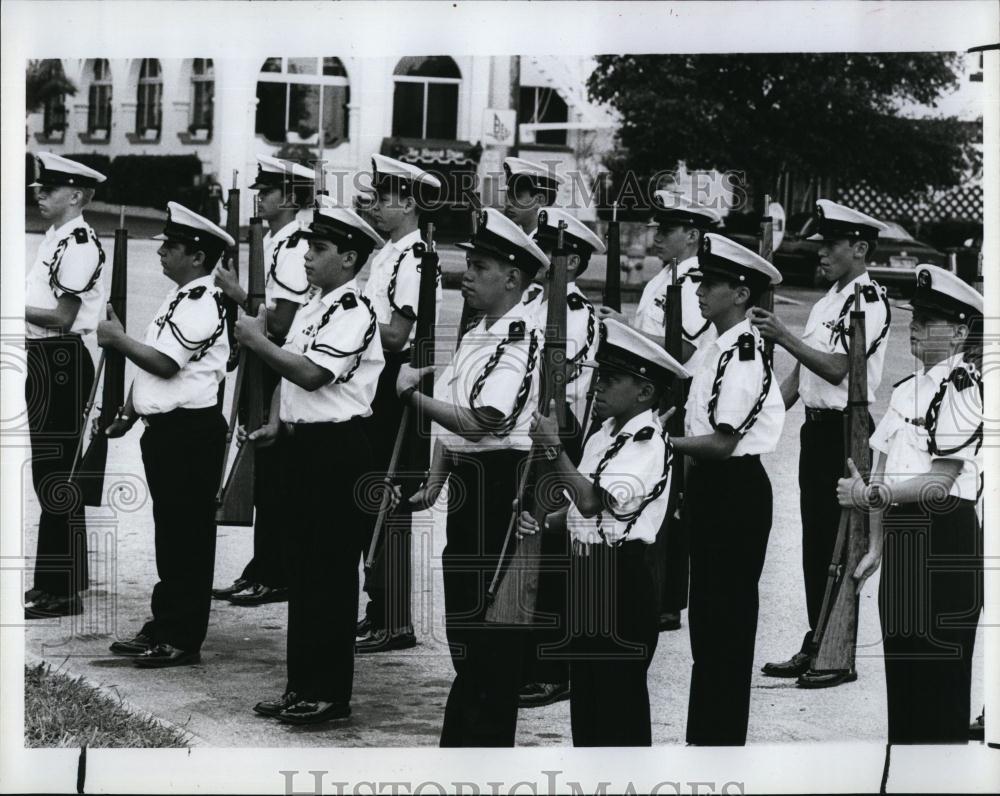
[(399, 697)]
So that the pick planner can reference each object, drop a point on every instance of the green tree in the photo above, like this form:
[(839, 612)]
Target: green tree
[(820, 114), (45, 79)]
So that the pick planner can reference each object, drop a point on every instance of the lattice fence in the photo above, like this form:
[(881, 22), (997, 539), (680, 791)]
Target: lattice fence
[(961, 203)]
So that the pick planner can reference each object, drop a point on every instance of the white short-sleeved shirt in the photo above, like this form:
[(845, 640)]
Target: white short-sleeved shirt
[(828, 317), (284, 258), (189, 327), (649, 315), (903, 433), (633, 475), (69, 261), (741, 388), (582, 339), (508, 384), (394, 280), (338, 332)]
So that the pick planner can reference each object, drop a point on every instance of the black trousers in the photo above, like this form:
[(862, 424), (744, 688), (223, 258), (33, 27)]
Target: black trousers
[(267, 566), (482, 704), (60, 375), (613, 615), (730, 513), (821, 465), (323, 463), (387, 583), (930, 598), (182, 453)]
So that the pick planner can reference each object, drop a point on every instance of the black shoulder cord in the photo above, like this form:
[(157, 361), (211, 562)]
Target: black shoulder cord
[(336, 352), (200, 346), (56, 261), (720, 372), (273, 273), (839, 332), (507, 423), (395, 274), (934, 408), (578, 357)]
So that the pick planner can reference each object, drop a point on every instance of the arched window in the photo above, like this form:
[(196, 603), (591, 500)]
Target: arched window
[(296, 95), (149, 100), (202, 95), (543, 105), (99, 100), (425, 97)]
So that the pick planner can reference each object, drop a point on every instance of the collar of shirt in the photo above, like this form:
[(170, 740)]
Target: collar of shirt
[(727, 339), (395, 248), (501, 326), (64, 230), (939, 372), (336, 293), (207, 281), (286, 231), (640, 421), (685, 265), (848, 289)]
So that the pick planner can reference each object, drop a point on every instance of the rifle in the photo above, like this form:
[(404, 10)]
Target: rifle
[(766, 250), (233, 257), (423, 356), (513, 591), (234, 498), (835, 639), (90, 466)]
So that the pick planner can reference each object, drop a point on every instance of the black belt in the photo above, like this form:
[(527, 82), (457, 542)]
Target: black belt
[(824, 415), (180, 415)]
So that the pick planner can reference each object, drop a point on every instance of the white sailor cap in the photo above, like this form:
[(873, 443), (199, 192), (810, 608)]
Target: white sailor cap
[(623, 348), (342, 226), (721, 257), (277, 173), (55, 170), (395, 175), (833, 221), (188, 227), (535, 176), (943, 293), (500, 237), (674, 208)]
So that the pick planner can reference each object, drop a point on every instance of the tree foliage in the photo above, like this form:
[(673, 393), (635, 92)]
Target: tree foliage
[(819, 114), (45, 79)]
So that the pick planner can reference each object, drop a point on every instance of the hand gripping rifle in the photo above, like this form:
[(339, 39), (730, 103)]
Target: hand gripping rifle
[(414, 427), (234, 498), (89, 467), (766, 250), (835, 639), (512, 593)]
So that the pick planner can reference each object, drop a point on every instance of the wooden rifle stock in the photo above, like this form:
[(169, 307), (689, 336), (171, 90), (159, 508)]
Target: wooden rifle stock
[(89, 467), (234, 499), (514, 589), (422, 357), (835, 639), (232, 256), (766, 250)]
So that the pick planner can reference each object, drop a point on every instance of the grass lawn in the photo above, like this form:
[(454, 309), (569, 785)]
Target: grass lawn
[(60, 711)]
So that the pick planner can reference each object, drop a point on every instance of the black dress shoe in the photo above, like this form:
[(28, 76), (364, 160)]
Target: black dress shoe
[(364, 627), (796, 665), (670, 621), (134, 648), (160, 656), (813, 679), (32, 594), (383, 641), (273, 707), (258, 594), (536, 695), (47, 606), (308, 712), (224, 594), (977, 730)]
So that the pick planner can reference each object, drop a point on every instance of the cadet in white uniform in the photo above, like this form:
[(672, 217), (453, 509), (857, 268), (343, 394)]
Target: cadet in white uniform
[(820, 378), (530, 187), (329, 368), (282, 188), (484, 400), (619, 498), (181, 360), (393, 288), (64, 298), (922, 497), (734, 413)]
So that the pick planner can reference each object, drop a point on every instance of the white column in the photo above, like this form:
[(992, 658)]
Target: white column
[(234, 117)]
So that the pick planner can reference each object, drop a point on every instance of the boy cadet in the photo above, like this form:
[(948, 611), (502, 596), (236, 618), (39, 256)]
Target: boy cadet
[(329, 367), (181, 360), (64, 299), (734, 413), (619, 497), (393, 288), (487, 394), (679, 223), (547, 679), (922, 496), (282, 188), (820, 378)]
